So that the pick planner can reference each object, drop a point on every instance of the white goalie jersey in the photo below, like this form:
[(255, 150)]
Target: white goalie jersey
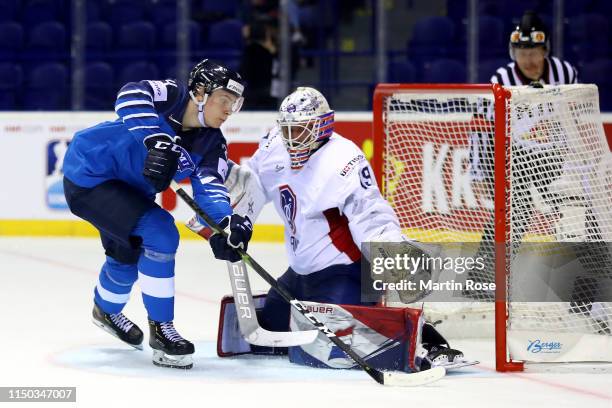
[(329, 207)]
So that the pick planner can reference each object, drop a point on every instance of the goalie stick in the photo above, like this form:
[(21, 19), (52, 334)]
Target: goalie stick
[(247, 317), (394, 378)]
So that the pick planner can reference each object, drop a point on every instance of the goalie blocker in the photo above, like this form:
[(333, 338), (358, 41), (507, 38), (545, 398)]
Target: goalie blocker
[(387, 338)]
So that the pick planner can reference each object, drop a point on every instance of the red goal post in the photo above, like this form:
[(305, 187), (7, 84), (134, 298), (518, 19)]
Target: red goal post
[(409, 118)]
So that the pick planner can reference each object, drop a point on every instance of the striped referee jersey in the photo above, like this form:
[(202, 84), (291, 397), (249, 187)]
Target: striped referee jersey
[(556, 72)]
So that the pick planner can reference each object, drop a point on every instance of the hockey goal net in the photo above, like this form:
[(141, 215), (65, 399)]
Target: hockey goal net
[(502, 167)]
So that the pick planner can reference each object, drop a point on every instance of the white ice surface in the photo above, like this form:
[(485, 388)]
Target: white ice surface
[(47, 339)]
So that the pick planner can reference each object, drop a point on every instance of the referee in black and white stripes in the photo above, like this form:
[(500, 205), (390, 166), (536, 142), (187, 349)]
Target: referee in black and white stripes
[(529, 48)]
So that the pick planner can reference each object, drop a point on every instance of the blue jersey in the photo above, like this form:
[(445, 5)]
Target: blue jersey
[(116, 150)]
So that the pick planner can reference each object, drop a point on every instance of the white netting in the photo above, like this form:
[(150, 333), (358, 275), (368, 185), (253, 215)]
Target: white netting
[(559, 171), (560, 189)]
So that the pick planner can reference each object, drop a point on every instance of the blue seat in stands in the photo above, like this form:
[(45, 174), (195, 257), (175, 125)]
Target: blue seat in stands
[(136, 42), (598, 72), (169, 35), (122, 12), (444, 71), (94, 11), (401, 72), (9, 10), (588, 38), (138, 35), (167, 50), (226, 34), (432, 37), (11, 79), (39, 11), (137, 71), (49, 36), (100, 87), (487, 68), (220, 8), (163, 12), (48, 41), (492, 38), (47, 88), (11, 40), (99, 37)]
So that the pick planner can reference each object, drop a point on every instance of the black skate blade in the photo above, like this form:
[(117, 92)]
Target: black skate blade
[(162, 359), (110, 331)]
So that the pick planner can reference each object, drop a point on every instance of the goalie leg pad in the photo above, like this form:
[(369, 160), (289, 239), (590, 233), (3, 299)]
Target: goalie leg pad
[(229, 339), (387, 338)]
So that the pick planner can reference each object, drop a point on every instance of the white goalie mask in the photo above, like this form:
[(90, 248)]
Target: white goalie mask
[(305, 121)]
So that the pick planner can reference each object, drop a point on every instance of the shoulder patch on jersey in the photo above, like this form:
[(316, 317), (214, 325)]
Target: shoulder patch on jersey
[(351, 165), (185, 162), (160, 93)]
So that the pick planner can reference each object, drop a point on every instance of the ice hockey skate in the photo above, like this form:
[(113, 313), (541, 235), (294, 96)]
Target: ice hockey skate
[(170, 349), (119, 326)]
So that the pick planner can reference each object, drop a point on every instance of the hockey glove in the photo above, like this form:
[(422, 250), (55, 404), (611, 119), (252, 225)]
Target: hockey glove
[(161, 162), (239, 230)]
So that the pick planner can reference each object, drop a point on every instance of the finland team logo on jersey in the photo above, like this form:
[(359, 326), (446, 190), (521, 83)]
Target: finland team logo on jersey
[(289, 205), (56, 149), (186, 166)]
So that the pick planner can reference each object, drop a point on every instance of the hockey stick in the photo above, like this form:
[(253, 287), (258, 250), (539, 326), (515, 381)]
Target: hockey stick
[(381, 377), (247, 317), (249, 327)]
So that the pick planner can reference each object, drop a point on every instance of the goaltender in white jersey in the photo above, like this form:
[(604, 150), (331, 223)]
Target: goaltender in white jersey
[(329, 207), (324, 189)]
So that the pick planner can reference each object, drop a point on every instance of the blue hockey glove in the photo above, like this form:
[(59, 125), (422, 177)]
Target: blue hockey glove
[(239, 230), (161, 162)]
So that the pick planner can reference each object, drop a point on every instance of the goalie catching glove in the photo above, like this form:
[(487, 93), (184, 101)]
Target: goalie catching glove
[(239, 231)]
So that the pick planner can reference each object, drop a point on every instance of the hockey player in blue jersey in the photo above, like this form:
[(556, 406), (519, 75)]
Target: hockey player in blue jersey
[(165, 130)]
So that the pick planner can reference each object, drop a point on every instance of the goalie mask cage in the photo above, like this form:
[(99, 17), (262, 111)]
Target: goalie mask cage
[(546, 177)]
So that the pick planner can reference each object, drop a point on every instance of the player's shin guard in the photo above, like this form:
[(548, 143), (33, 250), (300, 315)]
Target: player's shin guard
[(114, 285), (110, 296), (156, 279)]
